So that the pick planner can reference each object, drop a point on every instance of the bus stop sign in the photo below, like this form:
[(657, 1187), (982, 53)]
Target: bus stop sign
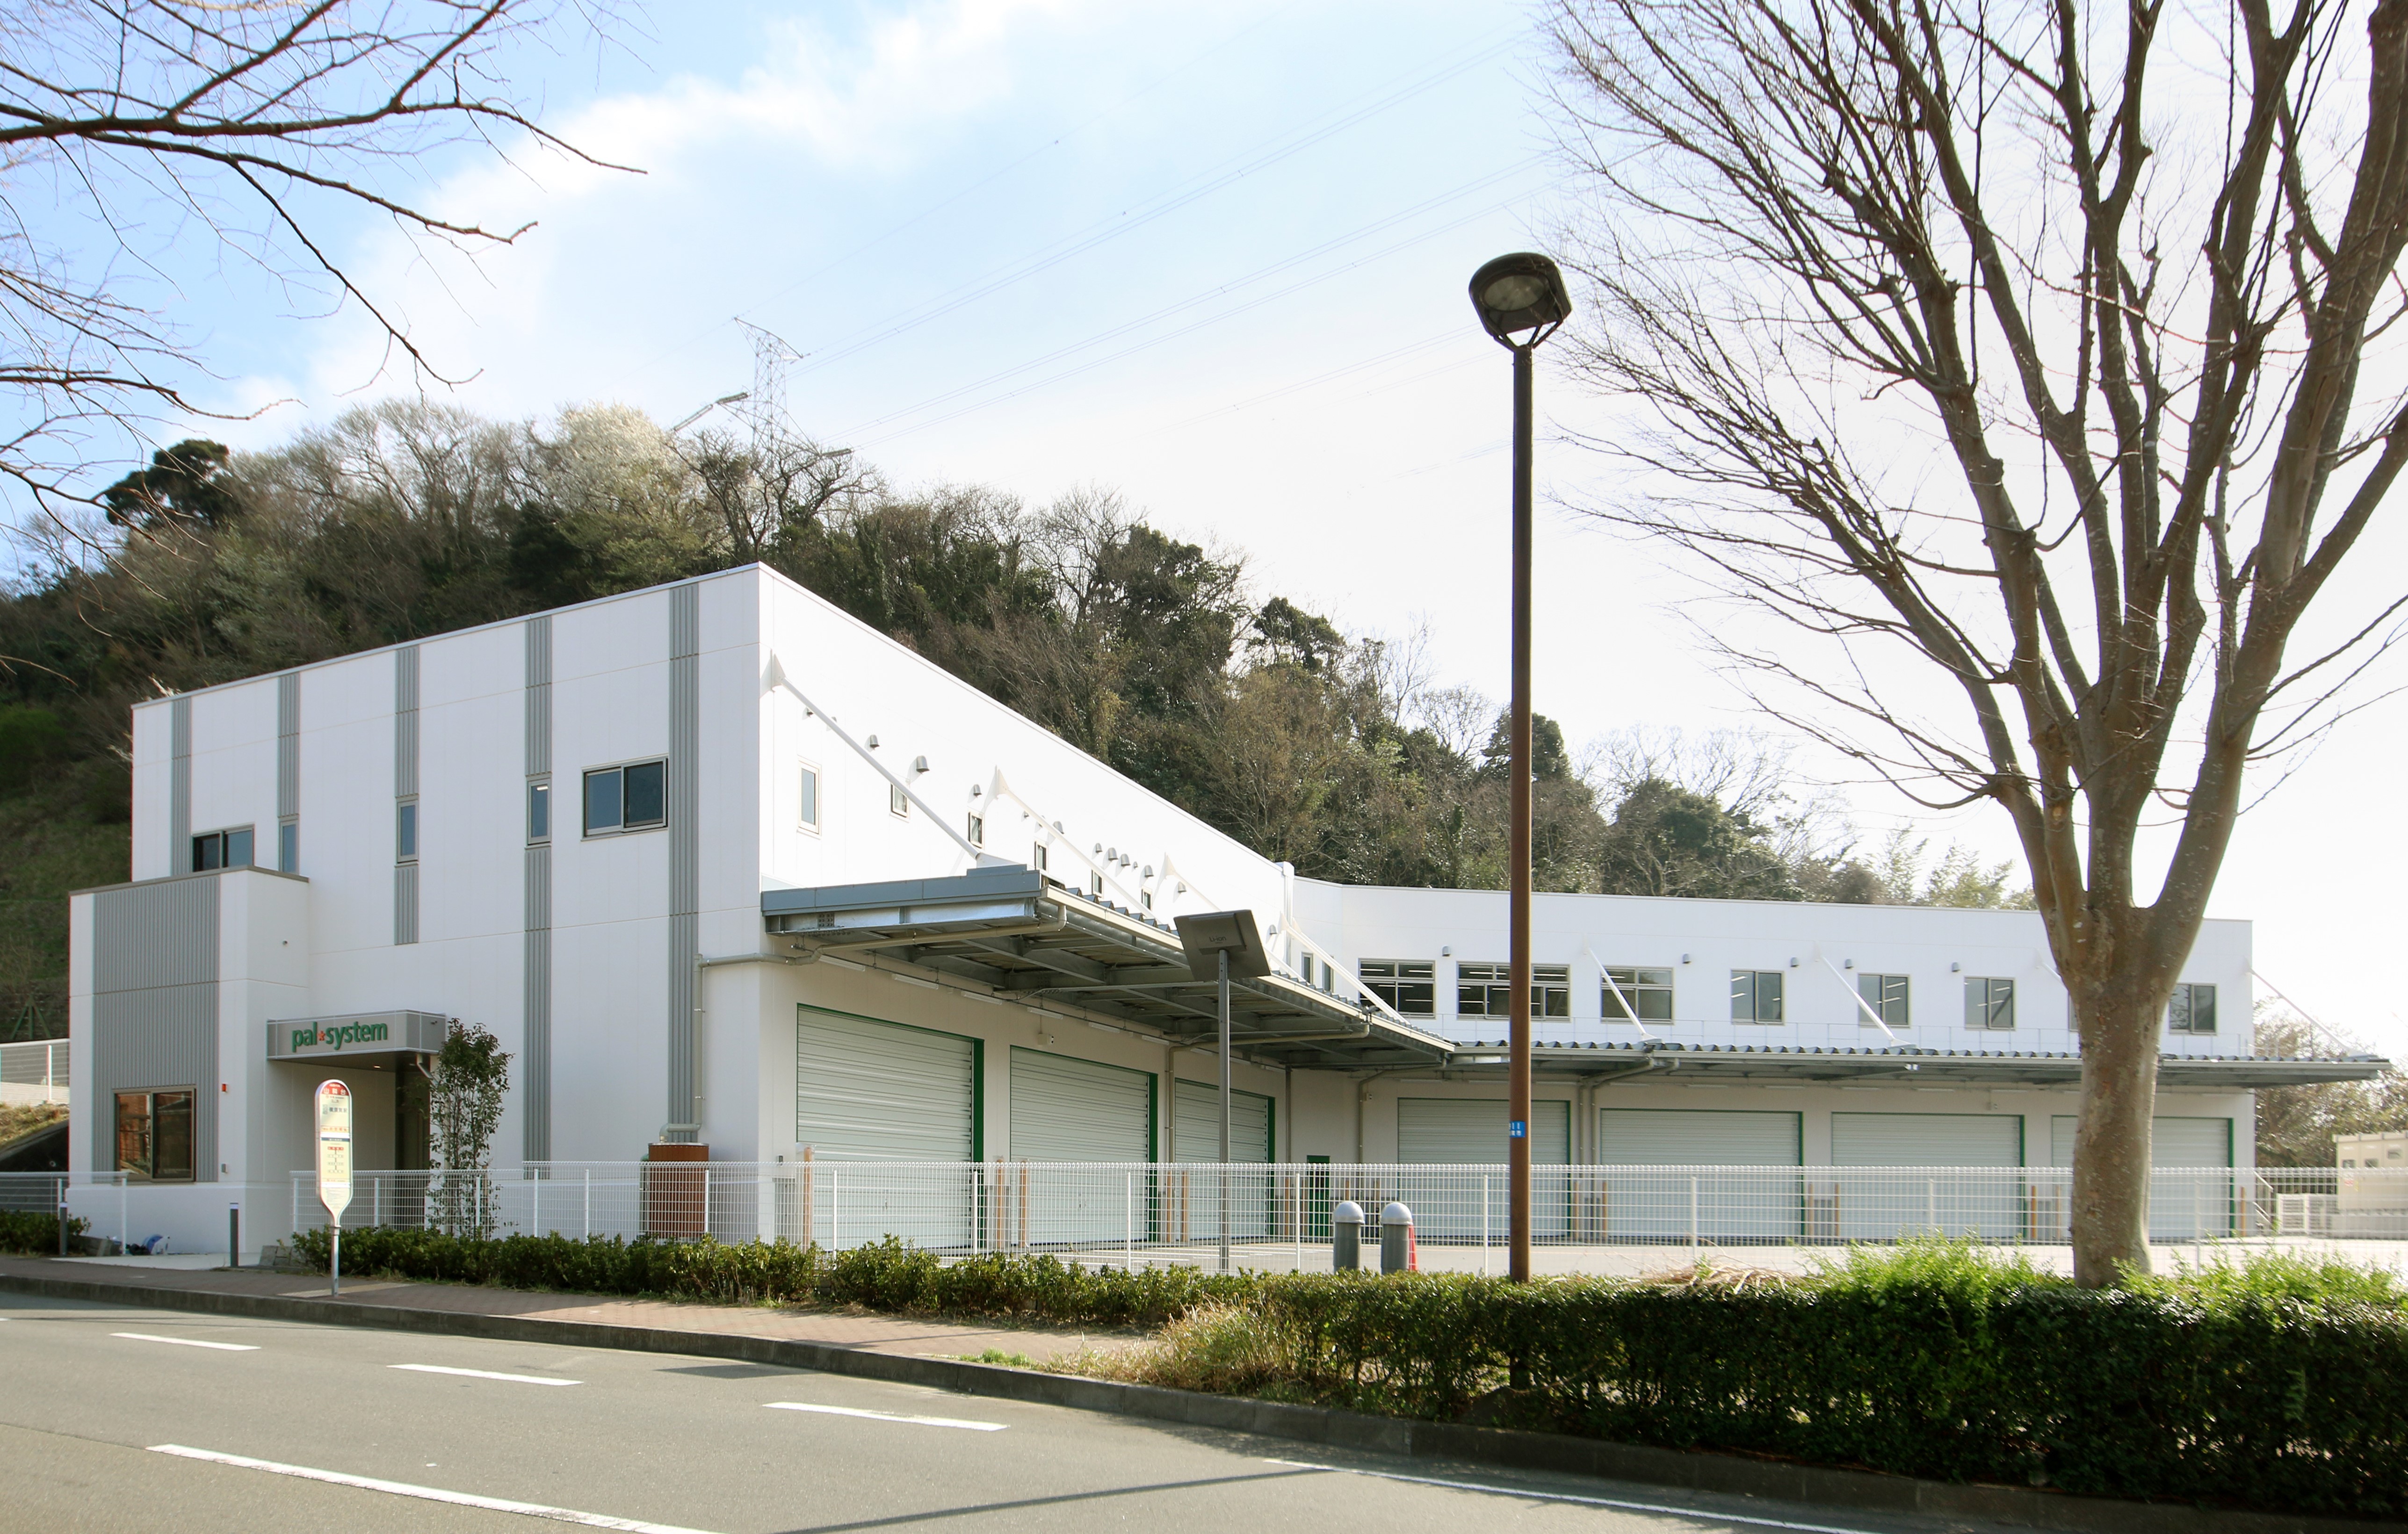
[(335, 1148)]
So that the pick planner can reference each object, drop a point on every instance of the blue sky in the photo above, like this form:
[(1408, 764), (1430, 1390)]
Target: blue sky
[(1211, 256)]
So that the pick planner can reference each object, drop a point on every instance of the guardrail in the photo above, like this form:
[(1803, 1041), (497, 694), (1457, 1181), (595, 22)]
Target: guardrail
[(1139, 1213), (33, 1071)]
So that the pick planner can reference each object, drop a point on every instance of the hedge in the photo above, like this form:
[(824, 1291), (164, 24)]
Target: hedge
[(34, 1234), (2277, 1385)]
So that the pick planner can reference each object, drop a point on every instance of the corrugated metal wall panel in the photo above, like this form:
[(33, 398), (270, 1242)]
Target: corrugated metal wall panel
[(1926, 1140), (405, 904), (155, 1005), (405, 720), (1470, 1132), (288, 745), (179, 785), (685, 733), (1067, 1110), (1195, 1123), (535, 1073), (538, 695), (882, 1091), (1691, 1136)]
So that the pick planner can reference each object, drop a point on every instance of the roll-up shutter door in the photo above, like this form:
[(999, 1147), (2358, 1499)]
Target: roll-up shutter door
[(1983, 1201), (2173, 1141), (1688, 1137), (1066, 1110), (1196, 1132), (871, 1091), (1926, 1140), (866, 1090), (1471, 1131)]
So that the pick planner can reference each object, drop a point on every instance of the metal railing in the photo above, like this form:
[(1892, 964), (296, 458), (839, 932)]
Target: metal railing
[(33, 1071), (1139, 1213)]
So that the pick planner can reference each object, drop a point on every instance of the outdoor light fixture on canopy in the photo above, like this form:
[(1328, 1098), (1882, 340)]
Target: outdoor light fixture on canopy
[(1513, 294)]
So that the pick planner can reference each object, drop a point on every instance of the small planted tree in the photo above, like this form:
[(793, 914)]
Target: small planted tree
[(465, 1093)]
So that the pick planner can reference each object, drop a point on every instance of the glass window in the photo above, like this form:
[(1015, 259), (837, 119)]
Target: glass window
[(1886, 995), (405, 831), (1990, 1003), (1486, 990), (1409, 985), (154, 1135), (1649, 989), (602, 800), (2192, 1008), (806, 800), (1038, 858), (648, 797), (896, 800), (540, 811), (978, 831), (222, 849), (288, 847), (1755, 996)]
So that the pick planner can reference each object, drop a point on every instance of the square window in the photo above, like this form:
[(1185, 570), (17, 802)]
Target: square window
[(648, 797), (1885, 997), (1038, 857), (1650, 991), (602, 790), (1486, 990), (1990, 1003), (540, 811), (154, 1135), (807, 800), (978, 831), (405, 831), (632, 797), (2192, 1008), (222, 849), (1755, 996)]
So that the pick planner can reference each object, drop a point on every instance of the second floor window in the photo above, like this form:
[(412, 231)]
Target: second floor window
[(1409, 985), (2192, 1010), (1486, 990), (540, 811), (405, 831), (1990, 1003), (1649, 990), (1755, 996), (633, 797), (1885, 997), (222, 849)]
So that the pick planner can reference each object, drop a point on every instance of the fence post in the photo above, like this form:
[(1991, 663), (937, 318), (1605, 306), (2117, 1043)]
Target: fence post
[(1483, 1225), (1128, 1224), (295, 1227), (1693, 1220), (706, 1198), (836, 1210), (125, 1223), (535, 1204)]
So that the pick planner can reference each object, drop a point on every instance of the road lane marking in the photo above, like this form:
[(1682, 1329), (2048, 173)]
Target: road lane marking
[(188, 1342), (424, 1494), (886, 1416), (482, 1374), (1701, 1514)]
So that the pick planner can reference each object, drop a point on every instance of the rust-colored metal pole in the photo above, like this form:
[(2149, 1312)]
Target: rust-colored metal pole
[(1517, 1090)]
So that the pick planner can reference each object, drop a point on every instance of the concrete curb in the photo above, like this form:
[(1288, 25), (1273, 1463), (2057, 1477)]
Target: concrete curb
[(1690, 1470)]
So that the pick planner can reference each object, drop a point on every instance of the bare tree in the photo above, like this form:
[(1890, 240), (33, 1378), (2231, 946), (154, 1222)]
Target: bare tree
[(136, 121), (2013, 352)]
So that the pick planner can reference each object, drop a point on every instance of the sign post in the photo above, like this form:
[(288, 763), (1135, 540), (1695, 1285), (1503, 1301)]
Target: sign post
[(334, 1170)]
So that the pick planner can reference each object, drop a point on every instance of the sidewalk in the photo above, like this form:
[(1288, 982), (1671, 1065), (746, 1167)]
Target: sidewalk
[(899, 1335)]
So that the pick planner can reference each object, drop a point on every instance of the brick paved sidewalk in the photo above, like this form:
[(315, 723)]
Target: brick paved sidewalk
[(898, 1335)]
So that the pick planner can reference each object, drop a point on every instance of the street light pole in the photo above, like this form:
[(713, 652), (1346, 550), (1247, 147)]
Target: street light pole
[(1513, 294)]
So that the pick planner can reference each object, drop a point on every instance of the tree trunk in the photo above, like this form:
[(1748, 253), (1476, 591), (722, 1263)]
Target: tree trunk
[(2117, 1015)]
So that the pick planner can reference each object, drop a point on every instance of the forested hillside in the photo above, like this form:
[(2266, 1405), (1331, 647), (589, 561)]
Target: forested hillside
[(1171, 661)]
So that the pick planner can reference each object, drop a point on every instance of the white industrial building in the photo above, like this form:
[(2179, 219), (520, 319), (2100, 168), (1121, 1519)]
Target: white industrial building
[(723, 867)]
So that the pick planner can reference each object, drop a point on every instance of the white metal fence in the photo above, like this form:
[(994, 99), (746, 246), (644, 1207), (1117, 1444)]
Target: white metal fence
[(33, 1071), (1279, 1215)]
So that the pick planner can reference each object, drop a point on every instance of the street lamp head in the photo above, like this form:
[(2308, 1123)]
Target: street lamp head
[(1520, 292)]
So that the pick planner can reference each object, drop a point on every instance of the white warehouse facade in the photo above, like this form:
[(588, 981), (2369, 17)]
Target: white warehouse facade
[(729, 872)]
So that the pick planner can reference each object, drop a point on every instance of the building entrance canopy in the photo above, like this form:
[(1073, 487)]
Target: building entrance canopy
[(1013, 934), (356, 1038)]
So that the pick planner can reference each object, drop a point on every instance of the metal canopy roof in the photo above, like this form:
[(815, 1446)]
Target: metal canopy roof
[(1011, 933), (1904, 1064)]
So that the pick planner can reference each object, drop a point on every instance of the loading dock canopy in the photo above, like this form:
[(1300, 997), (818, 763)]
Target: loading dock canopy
[(1011, 933), (1905, 1064)]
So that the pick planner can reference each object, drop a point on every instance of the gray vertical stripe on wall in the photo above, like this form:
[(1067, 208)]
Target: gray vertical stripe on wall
[(538, 695), (686, 736), (179, 785), (405, 786), (288, 745), (536, 1000), (154, 1006)]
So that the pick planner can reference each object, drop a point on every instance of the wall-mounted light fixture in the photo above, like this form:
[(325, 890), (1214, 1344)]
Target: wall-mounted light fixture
[(1847, 964), (1684, 958), (1954, 966)]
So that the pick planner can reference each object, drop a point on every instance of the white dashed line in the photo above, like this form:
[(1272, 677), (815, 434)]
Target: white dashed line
[(887, 1416), (424, 1494), (1700, 1514), (188, 1341), (482, 1374)]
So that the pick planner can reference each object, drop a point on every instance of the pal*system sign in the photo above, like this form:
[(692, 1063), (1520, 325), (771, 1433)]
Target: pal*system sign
[(371, 1037)]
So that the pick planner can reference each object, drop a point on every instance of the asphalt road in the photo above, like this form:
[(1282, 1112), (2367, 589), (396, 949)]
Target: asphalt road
[(111, 1418)]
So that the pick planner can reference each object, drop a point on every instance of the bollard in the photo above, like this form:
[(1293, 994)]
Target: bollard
[(1346, 1237), (63, 1216), (1395, 1239), (234, 1235)]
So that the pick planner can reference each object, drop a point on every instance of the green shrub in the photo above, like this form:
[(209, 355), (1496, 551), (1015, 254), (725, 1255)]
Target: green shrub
[(36, 1235)]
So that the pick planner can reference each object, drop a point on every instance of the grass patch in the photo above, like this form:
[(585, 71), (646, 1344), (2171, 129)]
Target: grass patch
[(996, 1356)]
